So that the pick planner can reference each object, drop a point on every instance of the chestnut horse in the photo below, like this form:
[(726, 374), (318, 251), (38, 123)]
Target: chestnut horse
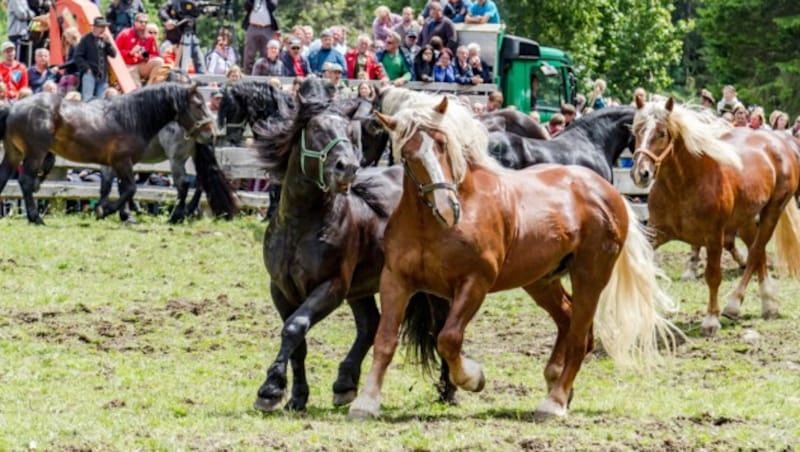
[(710, 182), (466, 227)]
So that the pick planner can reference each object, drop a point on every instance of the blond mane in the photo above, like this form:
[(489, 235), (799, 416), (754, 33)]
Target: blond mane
[(467, 138), (699, 130)]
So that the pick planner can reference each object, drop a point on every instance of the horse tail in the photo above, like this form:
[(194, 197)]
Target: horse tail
[(4, 111), (424, 319), (627, 320), (221, 197), (787, 240)]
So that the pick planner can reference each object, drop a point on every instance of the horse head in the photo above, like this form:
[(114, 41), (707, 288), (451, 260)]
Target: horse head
[(195, 118), (654, 142), (231, 116), (330, 151), (423, 151)]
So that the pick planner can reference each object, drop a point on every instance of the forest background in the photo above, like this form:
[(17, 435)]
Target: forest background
[(675, 47)]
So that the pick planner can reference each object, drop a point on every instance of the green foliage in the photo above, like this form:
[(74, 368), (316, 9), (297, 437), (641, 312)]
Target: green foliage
[(763, 62)]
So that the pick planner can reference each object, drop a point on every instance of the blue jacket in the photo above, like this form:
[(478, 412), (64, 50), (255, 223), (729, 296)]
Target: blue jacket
[(447, 75), (320, 56)]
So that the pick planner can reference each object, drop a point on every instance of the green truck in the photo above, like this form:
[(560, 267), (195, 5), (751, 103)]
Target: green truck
[(529, 75)]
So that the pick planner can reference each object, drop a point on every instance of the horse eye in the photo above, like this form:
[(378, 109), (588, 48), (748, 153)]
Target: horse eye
[(662, 135)]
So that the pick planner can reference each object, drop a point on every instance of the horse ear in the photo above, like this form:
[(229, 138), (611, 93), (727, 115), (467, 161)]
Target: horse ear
[(442, 107), (639, 103), (193, 88), (387, 121), (670, 104)]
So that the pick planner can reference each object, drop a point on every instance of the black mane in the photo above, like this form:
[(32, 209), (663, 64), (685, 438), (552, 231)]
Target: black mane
[(260, 100), (147, 110)]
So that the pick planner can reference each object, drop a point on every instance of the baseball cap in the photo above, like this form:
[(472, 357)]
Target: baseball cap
[(412, 32), (6, 45)]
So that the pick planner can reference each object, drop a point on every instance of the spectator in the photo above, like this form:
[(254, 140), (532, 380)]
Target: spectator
[(70, 75), (796, 127), (19, 20), (639, 93), (325, 54), (707, 99), (179, 17), (50, 87), (463, 70), (779, 120), (757, 121), (447, 10), (361, 58), (494, 102), (41, 73), (483, 12), (24, 92), (568, 112), (556, 124), (139, 50), (261, 26), (308, 38), (438, 25), (365, 91), (444, 71), (13, 73), (478, 108), (729, 100), (580, 104), (740, 118), (479, 66), (397, 65), (222, 57), (215, 101), (121, 14), (110, 92), (271, 64), (333, 72), (91, 57), (437, 44), (384, 23), (339, 34), (597, 101), (234, 74), (294, 63), (410, 44), (407, 23), (458, 10), (424, 63)]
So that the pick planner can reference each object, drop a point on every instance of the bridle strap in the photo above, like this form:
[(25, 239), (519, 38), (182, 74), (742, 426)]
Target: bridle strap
[(189, 134), (657, 159), (320, 156), (423, 189)]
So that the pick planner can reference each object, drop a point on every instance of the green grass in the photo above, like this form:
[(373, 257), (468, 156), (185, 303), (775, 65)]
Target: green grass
[(157, 337)]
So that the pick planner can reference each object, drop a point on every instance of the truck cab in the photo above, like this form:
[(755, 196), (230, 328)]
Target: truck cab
[(530, 76)]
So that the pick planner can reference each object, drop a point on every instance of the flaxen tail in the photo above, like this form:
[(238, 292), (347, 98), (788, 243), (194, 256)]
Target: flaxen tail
[(628, 320), (787, 240)]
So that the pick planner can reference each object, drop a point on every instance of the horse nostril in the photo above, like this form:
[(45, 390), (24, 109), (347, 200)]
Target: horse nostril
[(339, 166)]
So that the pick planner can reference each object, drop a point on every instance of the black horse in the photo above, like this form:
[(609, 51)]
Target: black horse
[(594, 141), (513, 121), (325, 243), (113, 132)]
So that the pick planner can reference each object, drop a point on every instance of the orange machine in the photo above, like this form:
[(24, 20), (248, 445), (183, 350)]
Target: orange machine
[(81, 14)]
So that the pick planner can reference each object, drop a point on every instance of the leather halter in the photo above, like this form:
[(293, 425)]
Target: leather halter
[(189, 134), (423, 189), (657, 159), (321, 156)]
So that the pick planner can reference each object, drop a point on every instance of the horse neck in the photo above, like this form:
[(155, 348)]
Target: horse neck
[(682, 169), (150, 120), (606, 138)]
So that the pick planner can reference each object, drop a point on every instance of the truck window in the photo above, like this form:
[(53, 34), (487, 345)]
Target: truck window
[(545, 90)]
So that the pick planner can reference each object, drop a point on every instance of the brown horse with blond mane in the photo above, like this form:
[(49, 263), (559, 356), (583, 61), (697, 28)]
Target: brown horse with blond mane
[(711, 181), (466, 227)]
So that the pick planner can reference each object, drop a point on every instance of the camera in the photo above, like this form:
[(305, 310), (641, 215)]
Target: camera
[(146, 55)]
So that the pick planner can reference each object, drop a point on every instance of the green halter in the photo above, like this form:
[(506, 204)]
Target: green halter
[(321, 156)]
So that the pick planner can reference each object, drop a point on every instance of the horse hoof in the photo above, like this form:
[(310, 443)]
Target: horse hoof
[(364, 408), (38, 221), (731, 311), (549, 409), (770, 314), (295, 406), (710, 326), (99, 213), (266, 405), (130, 221), (344, 398)]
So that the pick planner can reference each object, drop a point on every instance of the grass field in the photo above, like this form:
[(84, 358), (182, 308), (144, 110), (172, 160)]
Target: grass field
[(157, 337)]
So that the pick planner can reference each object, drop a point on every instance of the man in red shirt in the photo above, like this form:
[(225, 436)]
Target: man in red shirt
[(13, 73), (362, 59), (139, 50)]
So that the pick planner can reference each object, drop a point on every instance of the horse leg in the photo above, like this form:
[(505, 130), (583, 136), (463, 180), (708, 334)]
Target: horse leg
[(691, 271), (395, 296), (768, 219), (553, 299), (711, 324), (319, 304), (127, 189), (367, 317), (106, 182), (464, 372), (27, 183), (179, 212), (193, 209)]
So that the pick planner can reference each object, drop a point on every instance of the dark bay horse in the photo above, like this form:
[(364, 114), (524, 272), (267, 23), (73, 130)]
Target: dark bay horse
[(113, 132), (593, 141), (324, 244), (710, 182), (466, 227)]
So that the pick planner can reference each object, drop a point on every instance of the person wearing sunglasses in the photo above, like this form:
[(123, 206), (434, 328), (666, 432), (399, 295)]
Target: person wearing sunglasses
[(139, 50)]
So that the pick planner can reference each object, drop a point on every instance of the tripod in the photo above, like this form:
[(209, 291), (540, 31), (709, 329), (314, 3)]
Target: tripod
[(189, 50)]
